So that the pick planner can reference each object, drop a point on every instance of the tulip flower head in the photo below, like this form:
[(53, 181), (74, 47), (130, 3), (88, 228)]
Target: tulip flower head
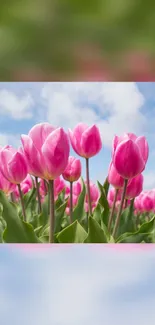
[(130, 154), (114, 178), (46, 150), (73, 170), (13, 165), (135, 187), (86, 141), (5, 185)]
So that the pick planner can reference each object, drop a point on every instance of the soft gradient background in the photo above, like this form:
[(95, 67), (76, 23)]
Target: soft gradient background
[(77, 284), (115, 107), (77, 40)]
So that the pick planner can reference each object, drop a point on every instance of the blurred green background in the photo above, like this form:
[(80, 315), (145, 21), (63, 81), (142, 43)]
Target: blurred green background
[(77, 40)]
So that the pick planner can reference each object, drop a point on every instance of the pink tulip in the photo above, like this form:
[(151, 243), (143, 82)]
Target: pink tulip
[(148, 201), (32, 147), (77, 188), (73, 170), (130, 154), (111, 195), (5, 185), (28, 181), (26, 186), (114, 178), (94, 193), (13, 165), (46, 150), (59, 186), (67, 190), (135, 187), (75, 200), (86, 141), (86, 208)]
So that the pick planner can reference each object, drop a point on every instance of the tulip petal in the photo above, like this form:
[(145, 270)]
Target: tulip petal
[(39, 133), (56, 152), (91, 143), (143, 146), (17, 168), (128, 160), (33, 156)]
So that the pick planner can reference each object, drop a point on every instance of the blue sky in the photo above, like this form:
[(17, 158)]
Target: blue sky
[(114, 107), (77, 284)]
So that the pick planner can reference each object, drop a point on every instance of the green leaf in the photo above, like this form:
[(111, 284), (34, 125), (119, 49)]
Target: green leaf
[(2, 228), (29, 197), (141, 235), (44, 239), (106, 186), (78, 211), (17, 231), (44, 216), (95, 232), (97, 213), (60, 200), (59, 214), (127, 221), (104, 204), (74, 233)]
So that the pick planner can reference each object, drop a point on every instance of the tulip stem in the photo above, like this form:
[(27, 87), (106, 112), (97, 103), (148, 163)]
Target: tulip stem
[(71, 202), (22, 202), (126, 203), (112, 210), (46, 187), (52, 211), (12, 197), (38, 195), (120, 208), (88, 186)]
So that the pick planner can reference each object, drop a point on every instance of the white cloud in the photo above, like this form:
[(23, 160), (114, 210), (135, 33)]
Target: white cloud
[(9, 139), (14, 106), (149, 181), (80, 285), (114, 107)]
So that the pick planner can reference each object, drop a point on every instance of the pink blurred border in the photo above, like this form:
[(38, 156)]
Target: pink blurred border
[(99, 247)]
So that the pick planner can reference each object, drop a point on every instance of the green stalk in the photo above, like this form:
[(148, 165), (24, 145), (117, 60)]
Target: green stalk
[(88, 187), (22, 202), (120, 208), (52, 211), (38, 195), (71, 202), (112, 210)]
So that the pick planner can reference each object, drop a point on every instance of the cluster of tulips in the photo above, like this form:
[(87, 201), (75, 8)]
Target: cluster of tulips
[(43, 162)]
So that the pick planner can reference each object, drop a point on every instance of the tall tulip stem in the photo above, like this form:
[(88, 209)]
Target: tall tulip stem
[(120, 208), (38, 195), (71, 202), (112, 210), (52, 211), (12, 197), (22, 202), (88, 186)]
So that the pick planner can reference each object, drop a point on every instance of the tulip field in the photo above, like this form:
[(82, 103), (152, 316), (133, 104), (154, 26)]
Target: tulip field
[(44, 198)]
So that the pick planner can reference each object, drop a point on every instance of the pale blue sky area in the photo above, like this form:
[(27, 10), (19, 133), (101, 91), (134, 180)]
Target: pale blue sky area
[(114, 107), (77, 284)]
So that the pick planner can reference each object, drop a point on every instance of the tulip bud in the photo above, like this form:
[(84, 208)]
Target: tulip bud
[(13, 165), (114, 178), (86, 141), (135, 187), (130, 155), (73, 170)]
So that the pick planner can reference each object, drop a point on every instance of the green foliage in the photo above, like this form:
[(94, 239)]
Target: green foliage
[(39, 39), (84, 229)]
